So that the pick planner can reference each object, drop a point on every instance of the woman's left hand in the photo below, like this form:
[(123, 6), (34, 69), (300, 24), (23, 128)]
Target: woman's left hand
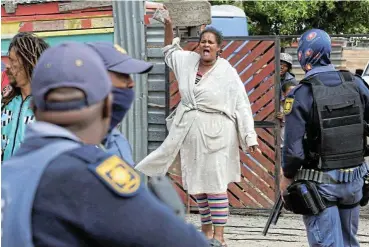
[(254, 148)]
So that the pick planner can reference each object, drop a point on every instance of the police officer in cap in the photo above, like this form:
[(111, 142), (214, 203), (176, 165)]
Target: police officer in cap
[(324, 142), (120, 66), (60, 189)]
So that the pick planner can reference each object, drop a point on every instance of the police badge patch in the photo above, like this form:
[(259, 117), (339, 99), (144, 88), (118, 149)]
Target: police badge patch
[(287, 108), (118, 176)]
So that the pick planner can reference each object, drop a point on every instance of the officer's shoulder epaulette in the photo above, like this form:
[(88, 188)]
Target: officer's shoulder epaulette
[(117, 175)]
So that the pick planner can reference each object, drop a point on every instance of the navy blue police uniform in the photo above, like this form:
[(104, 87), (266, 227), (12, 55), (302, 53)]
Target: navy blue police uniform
[(58, 191), (338, 225), (76, 205), (324, 143)]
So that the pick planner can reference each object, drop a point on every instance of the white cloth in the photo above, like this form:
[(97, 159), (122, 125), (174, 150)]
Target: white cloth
[(213, 118)]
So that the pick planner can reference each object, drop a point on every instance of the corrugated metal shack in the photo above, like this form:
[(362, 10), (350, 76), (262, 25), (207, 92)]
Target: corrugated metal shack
[(59, 21)]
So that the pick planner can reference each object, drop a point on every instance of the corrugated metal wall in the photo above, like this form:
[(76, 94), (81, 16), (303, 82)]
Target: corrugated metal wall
[(156, 86), (145, 124), (129, 32), (65, 21)]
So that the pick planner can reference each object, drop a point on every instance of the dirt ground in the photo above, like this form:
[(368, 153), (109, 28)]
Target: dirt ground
[(243, 231)]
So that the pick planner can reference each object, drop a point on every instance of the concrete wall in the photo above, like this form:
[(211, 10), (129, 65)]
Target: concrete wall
[(350, 58), (356, 58), (337, 60)]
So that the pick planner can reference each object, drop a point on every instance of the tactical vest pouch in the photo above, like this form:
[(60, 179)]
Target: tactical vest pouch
[(364, 201), (302, 197)]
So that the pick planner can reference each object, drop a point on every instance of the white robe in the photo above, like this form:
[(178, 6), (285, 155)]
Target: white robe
[(212, 120)]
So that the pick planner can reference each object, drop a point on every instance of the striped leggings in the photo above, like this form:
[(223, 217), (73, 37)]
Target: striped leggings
[(213, 208)]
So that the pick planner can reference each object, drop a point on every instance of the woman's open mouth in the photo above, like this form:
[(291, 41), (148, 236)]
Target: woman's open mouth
[(206, 52)]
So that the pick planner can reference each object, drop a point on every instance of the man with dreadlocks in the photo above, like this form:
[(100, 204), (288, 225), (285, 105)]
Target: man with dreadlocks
[(24, 51)]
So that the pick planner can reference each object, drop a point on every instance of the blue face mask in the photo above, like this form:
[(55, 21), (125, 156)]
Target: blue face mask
[(123, 98)]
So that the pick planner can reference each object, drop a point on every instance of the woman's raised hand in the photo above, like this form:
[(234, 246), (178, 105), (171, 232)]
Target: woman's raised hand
[(167, 20)]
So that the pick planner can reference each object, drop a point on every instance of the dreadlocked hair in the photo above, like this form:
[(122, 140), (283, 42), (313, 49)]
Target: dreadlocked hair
[(28, 48)]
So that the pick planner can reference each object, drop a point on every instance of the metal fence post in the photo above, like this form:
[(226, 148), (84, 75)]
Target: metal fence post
[(129, 32)]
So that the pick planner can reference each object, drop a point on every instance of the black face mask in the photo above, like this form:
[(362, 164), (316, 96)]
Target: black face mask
[(123, 98)]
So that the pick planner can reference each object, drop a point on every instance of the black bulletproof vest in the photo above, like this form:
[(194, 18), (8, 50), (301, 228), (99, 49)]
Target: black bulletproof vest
[(335, 134)]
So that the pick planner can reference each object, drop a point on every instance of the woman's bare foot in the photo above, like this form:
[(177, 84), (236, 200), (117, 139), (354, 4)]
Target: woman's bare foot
[(219, 235), (220, 239), (214, 242), (207, 229), (209, 236)]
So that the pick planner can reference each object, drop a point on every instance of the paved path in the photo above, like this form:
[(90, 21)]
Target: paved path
[(243, 231)]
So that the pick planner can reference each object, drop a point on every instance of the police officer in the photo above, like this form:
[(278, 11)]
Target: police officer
[(60, 189), (120, 66), (324, 141)]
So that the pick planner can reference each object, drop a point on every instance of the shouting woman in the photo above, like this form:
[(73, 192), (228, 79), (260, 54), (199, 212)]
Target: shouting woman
[(212, 120)]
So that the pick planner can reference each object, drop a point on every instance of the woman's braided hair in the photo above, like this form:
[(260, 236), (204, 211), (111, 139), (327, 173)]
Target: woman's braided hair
[(28, 48)]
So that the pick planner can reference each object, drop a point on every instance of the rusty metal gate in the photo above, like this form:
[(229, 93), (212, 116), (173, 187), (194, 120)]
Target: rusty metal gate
[(255, 59)]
